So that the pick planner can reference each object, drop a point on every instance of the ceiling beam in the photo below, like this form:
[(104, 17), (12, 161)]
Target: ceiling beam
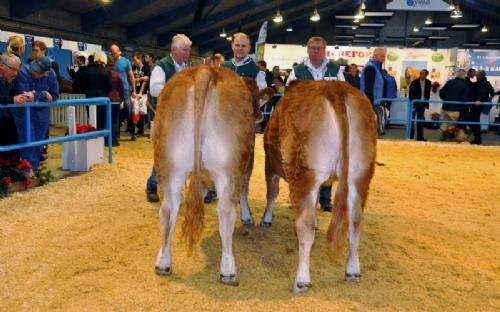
[(22, 9), (163, 20), (324, 9), (306, 8), (107, 14)]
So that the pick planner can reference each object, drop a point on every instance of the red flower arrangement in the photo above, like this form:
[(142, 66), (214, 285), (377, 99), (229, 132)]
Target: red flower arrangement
[(82, 129), (13, 170)]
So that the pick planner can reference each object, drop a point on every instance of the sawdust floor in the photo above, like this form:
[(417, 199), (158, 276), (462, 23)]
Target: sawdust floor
[(88, 242)]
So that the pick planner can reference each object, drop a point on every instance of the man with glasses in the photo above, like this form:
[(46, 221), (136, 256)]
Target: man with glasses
[(9, 67), (317, 67)]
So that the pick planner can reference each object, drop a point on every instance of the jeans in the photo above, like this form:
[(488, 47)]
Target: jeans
[(419, 111), (130, 111), (38, 127)]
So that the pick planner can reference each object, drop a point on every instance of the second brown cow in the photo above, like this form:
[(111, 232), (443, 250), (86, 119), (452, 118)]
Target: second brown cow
[(322, 131)]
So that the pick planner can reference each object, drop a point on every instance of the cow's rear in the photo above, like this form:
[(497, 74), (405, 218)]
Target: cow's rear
[(321, 131), (204, 128)]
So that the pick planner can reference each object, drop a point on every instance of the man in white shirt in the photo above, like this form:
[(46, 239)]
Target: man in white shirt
[(163, 71)]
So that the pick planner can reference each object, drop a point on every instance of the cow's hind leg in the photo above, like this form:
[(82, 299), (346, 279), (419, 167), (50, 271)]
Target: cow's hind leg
[(226, 209), (170, 195), (304, 222), (357, 194), (246, 214), (273, 189)]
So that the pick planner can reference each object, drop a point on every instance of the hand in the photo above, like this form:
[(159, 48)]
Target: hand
[(134, 95), (20, 99), (48, 96), (30, 96), (477, 103)]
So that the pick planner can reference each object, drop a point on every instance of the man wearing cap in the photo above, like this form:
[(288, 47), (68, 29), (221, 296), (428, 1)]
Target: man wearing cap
[(39, 81)]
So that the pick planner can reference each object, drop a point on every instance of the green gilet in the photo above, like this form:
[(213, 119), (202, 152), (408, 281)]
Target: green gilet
[(249, 69), (167, 64), (302, 73)]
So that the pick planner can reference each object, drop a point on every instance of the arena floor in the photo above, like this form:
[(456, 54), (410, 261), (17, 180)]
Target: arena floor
[(431, 242)]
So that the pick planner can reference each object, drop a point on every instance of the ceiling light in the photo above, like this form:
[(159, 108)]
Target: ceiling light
[(456, 13), (105, 1), (354, 27), (356, 20), (372, 24), (381, 14), (289, 29), (438, 37), (315, 16), (363, 6), (492, 43), (484, 29), (415, 28), (229, 38), (360, 14), (452, 7), (278, 18), (223, 33), (471, 44), (364, 36), (345, 36), (434, 28), (428, 21), (465, 26)]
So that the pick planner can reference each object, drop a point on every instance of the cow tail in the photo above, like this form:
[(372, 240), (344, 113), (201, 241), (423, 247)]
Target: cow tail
[(194, 211), (337, 231)]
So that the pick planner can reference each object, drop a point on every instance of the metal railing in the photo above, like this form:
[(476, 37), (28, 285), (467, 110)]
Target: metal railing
[(102, 101), (58, 113)]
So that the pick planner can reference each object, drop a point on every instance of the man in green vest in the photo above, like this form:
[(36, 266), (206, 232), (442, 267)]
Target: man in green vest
[(244, 66), (162, 72), (318, 67)]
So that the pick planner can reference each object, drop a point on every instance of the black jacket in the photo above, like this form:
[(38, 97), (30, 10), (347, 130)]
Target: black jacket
[(416, 91), (352, 80), (77, 76), (97, 81), (454, 90)]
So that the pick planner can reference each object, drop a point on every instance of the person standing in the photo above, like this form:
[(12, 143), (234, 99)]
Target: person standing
[(482, 91), (39, 81), (77, 73), (420, 89), (116, 97), (97, 80), (352, 77), (141, 77), (454, 90), (124, 68), (373, 84), (9, 67), (317, 67), (163, 71)]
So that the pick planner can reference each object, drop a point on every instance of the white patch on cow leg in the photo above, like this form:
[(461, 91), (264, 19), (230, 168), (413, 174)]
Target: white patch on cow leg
[(226, 210), (273, 189), (305, 232), (246, 215), (352, 272), (170, 201)]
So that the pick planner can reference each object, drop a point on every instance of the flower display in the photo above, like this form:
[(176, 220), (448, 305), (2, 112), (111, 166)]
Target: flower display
[(12, 170)]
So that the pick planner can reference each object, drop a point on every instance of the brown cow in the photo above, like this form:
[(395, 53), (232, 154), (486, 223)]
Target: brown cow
[(205, 127), (322, 131)]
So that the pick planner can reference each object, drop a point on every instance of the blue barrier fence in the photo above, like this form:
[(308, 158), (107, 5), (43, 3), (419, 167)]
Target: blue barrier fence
[(101, 101)]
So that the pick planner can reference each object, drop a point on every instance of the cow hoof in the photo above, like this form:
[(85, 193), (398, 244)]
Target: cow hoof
[(163, 272), (266, 224), (300, 288), (247, 222), (352, 277), (229, 280)]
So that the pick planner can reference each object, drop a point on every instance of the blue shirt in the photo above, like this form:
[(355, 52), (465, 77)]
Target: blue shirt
[(25, 82), (122, 67)]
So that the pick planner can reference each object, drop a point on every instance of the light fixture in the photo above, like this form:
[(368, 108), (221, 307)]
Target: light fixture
[(456, 13), (289, 29), (354, 27), (278, 18), (223, 33), (315, 16), (360, 14), (484, 29), (428, 21), (363, 6), (415, 28), (105, 2), (356, 20), (452, 6), (229, 38)]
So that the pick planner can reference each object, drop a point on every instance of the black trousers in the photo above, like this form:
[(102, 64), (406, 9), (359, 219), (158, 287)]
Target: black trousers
[(475, 116), (419, 111)]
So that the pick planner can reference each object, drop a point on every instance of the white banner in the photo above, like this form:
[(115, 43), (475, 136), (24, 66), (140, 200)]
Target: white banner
[(418, 5)]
